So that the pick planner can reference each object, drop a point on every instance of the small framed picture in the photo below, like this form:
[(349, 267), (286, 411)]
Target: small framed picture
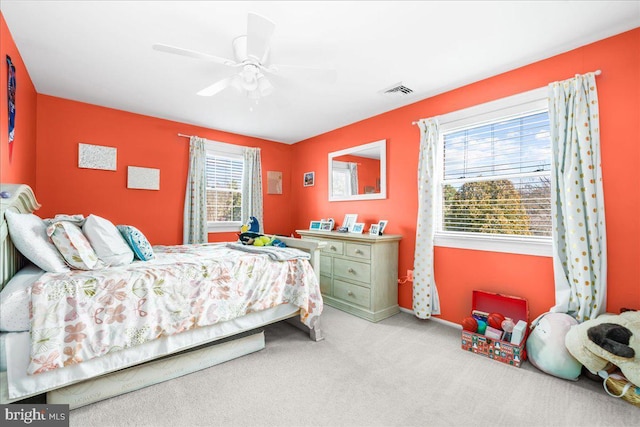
[(349, 220), (326, 225), (309, 179), (358, 227), (374, 229), (315, 225), (382, 225)]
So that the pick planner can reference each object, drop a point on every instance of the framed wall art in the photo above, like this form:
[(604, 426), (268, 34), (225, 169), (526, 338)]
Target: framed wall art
[(309, 179)]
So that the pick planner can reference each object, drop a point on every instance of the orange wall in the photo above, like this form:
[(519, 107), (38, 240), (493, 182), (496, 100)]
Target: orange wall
[(140, 141), (460, 271), (17, 162)]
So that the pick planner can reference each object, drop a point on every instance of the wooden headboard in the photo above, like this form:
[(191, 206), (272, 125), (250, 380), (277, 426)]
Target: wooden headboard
[(21, 200)]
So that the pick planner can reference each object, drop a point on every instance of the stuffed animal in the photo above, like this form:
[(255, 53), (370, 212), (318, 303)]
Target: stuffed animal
[(252, 226), (546, 348), (608, 340)]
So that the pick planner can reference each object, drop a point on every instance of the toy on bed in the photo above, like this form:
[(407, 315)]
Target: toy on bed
[(608, 342)]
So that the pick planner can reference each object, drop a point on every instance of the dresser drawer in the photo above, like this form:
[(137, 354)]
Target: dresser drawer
[(358, 251), (325, 285), (353, 270), (352, 294), (333, 247)]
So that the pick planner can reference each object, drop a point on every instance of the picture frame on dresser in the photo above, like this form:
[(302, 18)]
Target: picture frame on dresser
[(349, 221), (326, 225), (357, 227), (374, 229), (382, 225)]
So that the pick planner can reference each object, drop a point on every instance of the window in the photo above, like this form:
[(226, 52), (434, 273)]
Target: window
[(495, 177), (224, 171)]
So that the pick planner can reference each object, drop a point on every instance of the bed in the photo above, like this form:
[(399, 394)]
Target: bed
[(96, 333)]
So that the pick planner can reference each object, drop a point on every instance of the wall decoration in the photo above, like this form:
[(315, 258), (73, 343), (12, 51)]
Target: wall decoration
[(97, 157), (11, 98), (309, 179), (143, 178), (274, 182)]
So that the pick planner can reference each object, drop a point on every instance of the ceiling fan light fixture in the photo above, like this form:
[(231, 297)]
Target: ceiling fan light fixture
[(264, 86), (249, 76)]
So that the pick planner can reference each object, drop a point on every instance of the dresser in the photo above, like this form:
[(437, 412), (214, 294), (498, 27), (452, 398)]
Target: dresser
[(358, 272)]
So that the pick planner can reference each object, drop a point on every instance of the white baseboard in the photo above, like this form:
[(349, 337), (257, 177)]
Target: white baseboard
[(435, 319)]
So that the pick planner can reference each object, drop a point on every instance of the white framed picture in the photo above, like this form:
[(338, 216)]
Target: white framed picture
[(326, 225), (315, 225), (382, 225), (357, 227), (374, 229), (349, 220), (309, 179)]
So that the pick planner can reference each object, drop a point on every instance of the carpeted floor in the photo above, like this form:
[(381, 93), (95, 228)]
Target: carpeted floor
[(401, 371)]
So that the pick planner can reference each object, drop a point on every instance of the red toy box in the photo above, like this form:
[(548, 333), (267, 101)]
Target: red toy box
[(503, 351)]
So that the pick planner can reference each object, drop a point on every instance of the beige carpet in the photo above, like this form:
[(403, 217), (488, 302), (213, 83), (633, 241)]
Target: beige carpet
[(398, 372)]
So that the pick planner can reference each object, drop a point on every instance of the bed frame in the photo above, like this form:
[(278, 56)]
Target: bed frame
[(202, 355)]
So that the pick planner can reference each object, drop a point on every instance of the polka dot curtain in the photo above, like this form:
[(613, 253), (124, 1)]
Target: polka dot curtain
[(425, 293), (579, 236), (195, 201)]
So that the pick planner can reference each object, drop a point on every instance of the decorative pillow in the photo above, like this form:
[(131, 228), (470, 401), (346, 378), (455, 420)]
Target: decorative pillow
[(29, 235), (138, 243), (107, 241), (14, 300), (74, 247)]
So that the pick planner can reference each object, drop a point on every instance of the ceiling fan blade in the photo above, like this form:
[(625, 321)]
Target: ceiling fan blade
[(259, 32), (217, 87), (193, 54), (319, 75)]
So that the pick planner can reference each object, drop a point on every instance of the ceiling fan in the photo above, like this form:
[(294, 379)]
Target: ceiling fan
[(251, 53)]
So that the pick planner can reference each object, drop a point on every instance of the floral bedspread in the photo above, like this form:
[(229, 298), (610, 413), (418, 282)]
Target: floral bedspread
[(81, 315)]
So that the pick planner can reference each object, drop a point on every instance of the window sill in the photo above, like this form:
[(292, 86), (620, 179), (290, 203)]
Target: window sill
[(223, 227), (537, 246)]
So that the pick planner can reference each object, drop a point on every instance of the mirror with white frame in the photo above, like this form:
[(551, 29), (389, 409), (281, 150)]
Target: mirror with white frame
[(359, 173)]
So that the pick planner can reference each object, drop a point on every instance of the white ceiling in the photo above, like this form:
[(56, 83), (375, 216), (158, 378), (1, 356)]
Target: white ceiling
[(99, 52)]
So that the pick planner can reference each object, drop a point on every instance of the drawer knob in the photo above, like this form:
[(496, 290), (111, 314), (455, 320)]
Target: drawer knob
[(359, 252), (351, 294), (333, 248), (351, 270)]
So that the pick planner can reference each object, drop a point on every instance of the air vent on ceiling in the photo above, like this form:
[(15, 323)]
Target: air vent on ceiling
[(397, 89)]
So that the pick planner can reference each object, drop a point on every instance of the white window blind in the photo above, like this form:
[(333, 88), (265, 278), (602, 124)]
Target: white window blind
[(496, 177), (224, 188)]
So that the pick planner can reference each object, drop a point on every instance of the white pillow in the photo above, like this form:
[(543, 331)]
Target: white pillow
[(14, 300), (107, 241), (29, 235)]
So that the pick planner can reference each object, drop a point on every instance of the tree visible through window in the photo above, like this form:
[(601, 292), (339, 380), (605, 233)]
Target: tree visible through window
[(496, 177), (224, 189)]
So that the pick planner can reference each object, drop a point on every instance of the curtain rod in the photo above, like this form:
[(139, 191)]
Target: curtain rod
[(184, 136), (596, 72)]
